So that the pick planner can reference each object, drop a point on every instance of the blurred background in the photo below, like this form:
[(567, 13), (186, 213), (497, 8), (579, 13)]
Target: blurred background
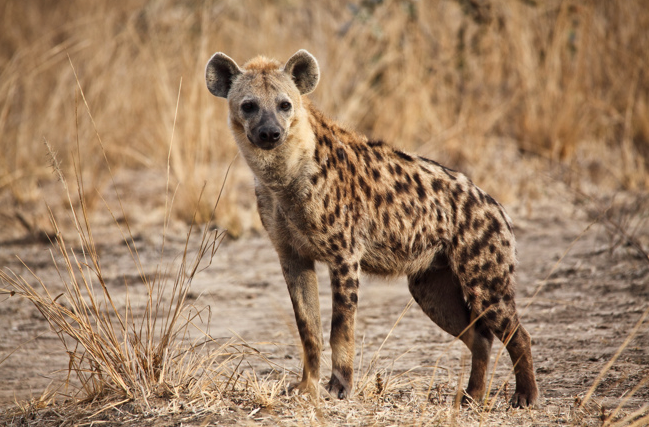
[(524, 96)]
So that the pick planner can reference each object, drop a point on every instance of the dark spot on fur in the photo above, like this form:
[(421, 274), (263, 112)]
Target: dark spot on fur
[(326, 141), (487, 266), (340, 153), (511, 268), (496, 283), (421, 191), (491, 200), (337, 211), (404, 156), (406, 209), (376, 174), (437, 185), (378, 200), (457, 191), (378, 156), (499, 258), (335, 282), (376, 143), (344, 269), (339, 298), (332, 219), (352, 168), (398, 169), (386, 219), (354, 297), (389, 198), (351, 283)]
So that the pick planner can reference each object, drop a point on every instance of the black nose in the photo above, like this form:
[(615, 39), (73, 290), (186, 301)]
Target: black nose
[(269, 133)]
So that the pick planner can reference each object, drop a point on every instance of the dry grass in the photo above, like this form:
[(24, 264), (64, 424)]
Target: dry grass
[(496, 90), (114, 351)]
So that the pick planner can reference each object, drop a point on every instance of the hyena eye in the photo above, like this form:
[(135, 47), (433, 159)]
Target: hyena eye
[(285, 106), (248, 107)]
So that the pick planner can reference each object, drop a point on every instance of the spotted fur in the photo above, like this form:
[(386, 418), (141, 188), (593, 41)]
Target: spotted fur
[(328, 194)]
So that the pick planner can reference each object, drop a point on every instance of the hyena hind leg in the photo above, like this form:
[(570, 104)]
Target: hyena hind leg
[(503, 320), (439, 294)]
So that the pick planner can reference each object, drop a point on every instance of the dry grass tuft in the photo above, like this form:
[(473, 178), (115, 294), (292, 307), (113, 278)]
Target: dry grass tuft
[(114, 352)]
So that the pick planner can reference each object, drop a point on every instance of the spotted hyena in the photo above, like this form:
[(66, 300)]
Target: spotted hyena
[(328, 194)]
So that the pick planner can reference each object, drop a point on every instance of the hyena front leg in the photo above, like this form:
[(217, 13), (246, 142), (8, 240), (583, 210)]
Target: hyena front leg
[(344, 289), (302, 285)]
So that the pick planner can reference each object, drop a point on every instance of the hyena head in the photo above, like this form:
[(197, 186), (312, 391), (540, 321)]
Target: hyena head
[(264, 97)]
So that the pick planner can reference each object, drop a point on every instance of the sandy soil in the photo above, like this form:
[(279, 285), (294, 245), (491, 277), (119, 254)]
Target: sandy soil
[(578, 318)]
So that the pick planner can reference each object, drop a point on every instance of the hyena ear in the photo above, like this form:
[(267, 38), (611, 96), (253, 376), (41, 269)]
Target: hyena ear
[(220, 72), (303, 69)]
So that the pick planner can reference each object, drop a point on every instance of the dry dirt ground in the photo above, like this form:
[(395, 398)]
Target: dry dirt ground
[(580, 295)]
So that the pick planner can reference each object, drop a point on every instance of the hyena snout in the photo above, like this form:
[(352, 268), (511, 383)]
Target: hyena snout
[(268, 134)]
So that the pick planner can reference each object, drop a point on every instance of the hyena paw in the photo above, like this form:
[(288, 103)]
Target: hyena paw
[(523, 399), (305, 386), (341, 389), (471, 398)]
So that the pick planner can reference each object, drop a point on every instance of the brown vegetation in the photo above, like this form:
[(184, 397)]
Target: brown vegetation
[(495, 88)]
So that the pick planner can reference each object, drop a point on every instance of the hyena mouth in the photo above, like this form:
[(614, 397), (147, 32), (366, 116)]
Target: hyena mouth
[(265, 145)]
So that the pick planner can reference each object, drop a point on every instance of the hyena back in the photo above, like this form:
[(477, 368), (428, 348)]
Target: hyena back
[(328, 194)]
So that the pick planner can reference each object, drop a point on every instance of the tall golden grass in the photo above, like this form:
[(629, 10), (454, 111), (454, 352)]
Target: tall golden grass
[(495, 88)]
